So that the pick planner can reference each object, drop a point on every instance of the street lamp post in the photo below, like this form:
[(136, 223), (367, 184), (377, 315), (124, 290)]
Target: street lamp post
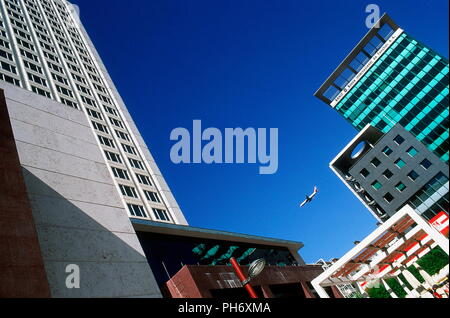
[(255, 269)]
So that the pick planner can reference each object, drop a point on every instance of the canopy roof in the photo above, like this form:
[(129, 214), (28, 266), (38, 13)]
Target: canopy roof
[(394, 245)]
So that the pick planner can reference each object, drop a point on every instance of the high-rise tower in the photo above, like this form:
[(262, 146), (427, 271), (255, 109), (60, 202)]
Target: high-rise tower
[(45, 49), (391, 83), (75, 172), (391, 78)]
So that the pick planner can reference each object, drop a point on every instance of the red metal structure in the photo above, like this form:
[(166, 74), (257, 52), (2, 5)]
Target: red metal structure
[(242, 278)]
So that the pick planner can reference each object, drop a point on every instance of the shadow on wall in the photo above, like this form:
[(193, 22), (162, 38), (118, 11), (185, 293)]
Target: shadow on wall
[(22, 272), (109, 256)]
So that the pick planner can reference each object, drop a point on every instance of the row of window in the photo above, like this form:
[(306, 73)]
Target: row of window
[(122, 135), (91, 71), (23, 38), (441, 205), (397, 95), (13, 10), (400, 186), (388, 74), (68, 55), (110, 143), (139, 210), (425, 163), (40, 91), (6, 55), (8, 67), (114, 157), (129, 191), (48, 50), (395, 62), (4, 43), (412, 175), (428, 190), (9, 79), (387, 151), (374, 44)]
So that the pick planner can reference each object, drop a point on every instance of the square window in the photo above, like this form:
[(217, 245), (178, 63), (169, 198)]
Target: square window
[(425, 164), (376, 185), (400, 186), (364, 172), (388, 197), (387, 151), (413, 175), (399, 140), (412, 151), (400, 163), (387, 174), (375, 162)]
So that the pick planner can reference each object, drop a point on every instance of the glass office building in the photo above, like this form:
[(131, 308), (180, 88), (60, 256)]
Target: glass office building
[(391, 78)]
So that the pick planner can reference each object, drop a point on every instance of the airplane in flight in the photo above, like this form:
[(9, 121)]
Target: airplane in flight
[(309, 198)]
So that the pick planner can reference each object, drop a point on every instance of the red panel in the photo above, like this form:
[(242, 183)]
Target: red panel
[(22, 272)]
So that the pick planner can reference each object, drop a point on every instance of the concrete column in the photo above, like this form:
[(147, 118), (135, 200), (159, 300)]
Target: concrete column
[(77, 212)]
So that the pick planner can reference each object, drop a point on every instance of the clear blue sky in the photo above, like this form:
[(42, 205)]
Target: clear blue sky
[(250, 63)]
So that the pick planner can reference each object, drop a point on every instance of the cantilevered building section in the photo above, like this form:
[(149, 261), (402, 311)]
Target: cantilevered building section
[(45, 49), (388, 171), (391, 78)]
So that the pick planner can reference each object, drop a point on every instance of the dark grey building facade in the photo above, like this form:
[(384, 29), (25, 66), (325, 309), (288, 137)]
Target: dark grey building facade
[(388, 171)]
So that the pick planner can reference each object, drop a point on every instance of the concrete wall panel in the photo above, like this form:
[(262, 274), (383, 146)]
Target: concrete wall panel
[(22, 271), (79, 216)]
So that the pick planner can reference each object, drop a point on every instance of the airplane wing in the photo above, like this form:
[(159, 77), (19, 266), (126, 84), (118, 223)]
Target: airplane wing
[(309, 198), (306, 201)]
